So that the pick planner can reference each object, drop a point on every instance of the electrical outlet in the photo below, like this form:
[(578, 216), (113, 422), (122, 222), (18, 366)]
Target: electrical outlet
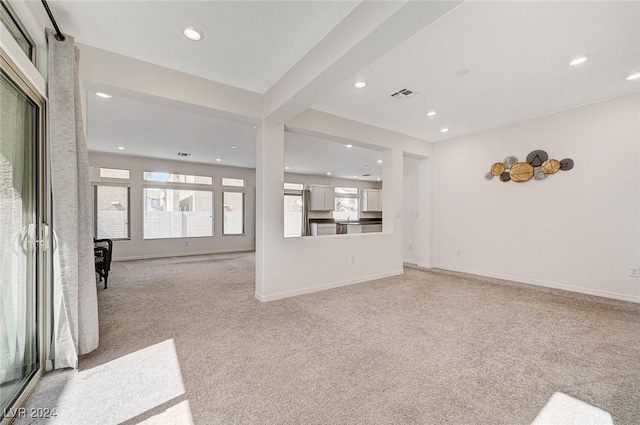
[(634, 272), (353, 260), (410, 247), (186, 243), (458, 252)]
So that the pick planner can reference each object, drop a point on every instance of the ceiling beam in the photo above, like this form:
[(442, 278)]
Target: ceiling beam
[(369, 32)]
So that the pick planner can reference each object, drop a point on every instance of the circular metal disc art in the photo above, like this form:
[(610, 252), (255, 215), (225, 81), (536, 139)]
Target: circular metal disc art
[(538, 166), (538, 174), (536, 158), (550, 166), (521, 172), (497, 168), (510, 161), (566, 164)]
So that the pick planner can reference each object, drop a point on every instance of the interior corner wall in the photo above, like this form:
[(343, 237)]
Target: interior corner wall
[(577, 230), (287, 267), (138, 247)]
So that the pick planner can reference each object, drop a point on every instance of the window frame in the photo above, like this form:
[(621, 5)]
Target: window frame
[(244, 215), (95, 209), (23, 30), (286, 189), (244, 182), (297, 194), (355, 196), (197, 187), (180, 184), (114, 179), (347, 196)]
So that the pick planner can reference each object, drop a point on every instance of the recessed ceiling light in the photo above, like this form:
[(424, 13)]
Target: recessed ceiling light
[(233, 146), (634, 76), (104, 95), (360, 84), (120, 148), (192, 34), (349, 146), (432, 113), (328, 173), (378, 179), (578, 61), (379, 161), (444, 130), (218, 159), (255, 126), (287, 168), (355, 177)]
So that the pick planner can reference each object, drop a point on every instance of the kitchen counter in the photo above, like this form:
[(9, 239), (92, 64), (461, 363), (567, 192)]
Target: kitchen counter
[(328, 226)]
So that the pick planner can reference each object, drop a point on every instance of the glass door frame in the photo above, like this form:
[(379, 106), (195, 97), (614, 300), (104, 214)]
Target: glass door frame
[(43, 242)]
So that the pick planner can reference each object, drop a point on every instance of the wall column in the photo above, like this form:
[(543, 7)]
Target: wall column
[(269, 201)]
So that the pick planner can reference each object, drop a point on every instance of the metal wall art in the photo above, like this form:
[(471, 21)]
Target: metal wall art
[(538, 166)]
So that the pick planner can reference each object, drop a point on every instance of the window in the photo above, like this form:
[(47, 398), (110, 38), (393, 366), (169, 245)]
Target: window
[(347, 190), (292, 216), (233, 182), (233, 213), (346, 203), (177, 213), (114, 173), (111, 212), (293, 186), (157, 176), (346, 208), (16, 29)]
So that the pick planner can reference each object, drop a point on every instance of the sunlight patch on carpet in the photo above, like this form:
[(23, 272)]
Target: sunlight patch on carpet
[(562, 409), (122, 388), (180, 414)]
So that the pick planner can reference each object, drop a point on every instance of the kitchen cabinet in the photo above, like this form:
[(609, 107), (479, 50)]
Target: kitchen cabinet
[(323, 198), (371, 200), (319, 229), (364, 228)]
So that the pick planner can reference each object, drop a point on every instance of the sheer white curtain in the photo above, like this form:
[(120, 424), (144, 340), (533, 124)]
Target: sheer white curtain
[(13, 262), (75, 296)]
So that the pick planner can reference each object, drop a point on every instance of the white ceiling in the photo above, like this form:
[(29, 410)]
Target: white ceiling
[(147, 127), (246, 44), (155, 128), (311, 155), (517, 55)]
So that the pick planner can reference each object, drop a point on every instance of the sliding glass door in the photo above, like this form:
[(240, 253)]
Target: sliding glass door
[(22, 241)]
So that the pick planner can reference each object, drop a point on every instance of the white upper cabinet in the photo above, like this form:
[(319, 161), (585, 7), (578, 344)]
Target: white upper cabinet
[(322, 198), (371, 200)]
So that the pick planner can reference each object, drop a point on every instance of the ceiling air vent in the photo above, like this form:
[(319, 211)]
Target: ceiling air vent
[(403, 94), (183, 154), (366, 175)]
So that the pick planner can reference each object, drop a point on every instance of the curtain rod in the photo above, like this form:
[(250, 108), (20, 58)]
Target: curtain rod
[(59, 35)]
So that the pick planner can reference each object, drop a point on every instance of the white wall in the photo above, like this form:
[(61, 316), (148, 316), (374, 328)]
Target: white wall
[(577, 230), (137, 247), (292, 266)]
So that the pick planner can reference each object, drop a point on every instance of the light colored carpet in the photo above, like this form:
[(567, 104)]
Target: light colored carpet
[(429, 347), (566, 410)]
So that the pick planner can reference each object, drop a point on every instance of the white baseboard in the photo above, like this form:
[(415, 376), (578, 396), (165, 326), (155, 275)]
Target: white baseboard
[(318, 288), (182, 254), (553, 285)]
